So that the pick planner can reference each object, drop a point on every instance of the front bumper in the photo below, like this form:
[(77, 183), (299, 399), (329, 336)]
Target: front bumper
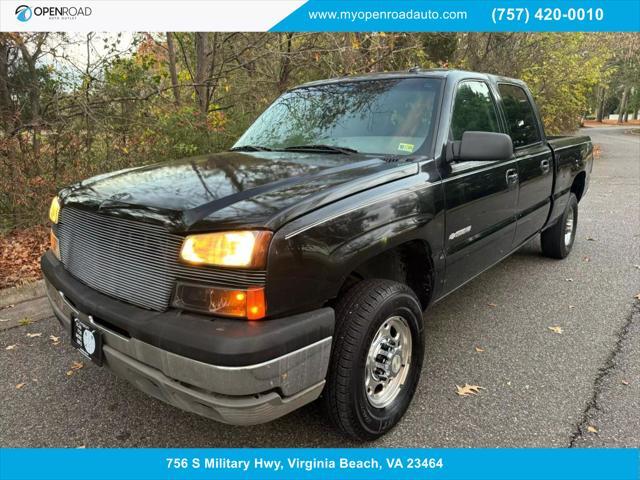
[(235, 393)]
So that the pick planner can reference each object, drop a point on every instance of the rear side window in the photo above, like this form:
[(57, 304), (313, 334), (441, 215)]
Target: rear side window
[(521, 119), (474, 110)]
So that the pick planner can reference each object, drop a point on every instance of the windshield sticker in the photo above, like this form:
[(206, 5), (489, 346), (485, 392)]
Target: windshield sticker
[(406, 147)]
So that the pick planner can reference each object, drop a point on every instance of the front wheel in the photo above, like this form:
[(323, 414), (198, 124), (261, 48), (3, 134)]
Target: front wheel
[(557, 240), (376, 359)]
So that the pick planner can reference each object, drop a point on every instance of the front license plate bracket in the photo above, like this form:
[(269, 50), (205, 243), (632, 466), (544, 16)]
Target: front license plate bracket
[(87, 339)]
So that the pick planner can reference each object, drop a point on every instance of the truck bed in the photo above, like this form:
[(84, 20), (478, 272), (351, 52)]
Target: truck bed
[(573, 157)]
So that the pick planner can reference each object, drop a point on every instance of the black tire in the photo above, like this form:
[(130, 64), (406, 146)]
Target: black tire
[(553, 238), (359, 314)]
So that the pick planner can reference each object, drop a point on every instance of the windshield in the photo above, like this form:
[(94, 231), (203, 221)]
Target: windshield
[(392, 116)]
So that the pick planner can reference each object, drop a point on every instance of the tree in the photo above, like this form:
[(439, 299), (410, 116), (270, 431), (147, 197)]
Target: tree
[(31, 49), (172, 68), (128, 100)]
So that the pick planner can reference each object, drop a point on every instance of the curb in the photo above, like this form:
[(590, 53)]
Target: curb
[(15, 295)]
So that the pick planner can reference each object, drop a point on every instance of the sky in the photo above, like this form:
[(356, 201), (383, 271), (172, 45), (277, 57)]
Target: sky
[(71, 56)]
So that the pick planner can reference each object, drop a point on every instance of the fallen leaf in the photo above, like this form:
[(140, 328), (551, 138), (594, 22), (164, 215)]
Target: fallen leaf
[(468, 390), (479, 350), (77, 365), (26, 246), (11, 347), (34, 335), (4, 320), (492, 305), (25, 321), (624, 382), (54, 339), (20, 385), (69, 373), (591, 429), (556, 329)]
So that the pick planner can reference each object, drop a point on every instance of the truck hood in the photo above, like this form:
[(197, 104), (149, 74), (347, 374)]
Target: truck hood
[(232, 189)]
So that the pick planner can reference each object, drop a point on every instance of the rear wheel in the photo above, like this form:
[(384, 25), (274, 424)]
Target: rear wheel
[(557, 241), (376, 359)]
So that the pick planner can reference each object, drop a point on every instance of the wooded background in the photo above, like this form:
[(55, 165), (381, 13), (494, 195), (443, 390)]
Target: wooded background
[(72, 106)]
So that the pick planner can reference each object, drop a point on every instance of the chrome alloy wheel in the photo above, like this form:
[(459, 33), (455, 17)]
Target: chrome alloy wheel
[(388, 362), (568, 228)]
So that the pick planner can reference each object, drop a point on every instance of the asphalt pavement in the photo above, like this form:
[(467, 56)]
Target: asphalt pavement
[(579, 388)]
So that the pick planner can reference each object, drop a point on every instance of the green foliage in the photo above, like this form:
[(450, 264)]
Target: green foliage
[(440, 48), (563, 79)]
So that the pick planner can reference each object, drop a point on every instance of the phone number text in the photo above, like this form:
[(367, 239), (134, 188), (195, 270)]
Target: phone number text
[(548, 14)]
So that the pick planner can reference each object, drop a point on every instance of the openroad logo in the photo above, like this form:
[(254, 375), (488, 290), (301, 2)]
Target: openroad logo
[(24, 13)]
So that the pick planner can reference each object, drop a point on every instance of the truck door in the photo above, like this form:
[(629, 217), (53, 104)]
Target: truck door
[(535, 161), (480, 196)]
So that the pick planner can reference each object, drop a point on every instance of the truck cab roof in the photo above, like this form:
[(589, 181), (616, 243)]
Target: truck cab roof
[(413, 72)]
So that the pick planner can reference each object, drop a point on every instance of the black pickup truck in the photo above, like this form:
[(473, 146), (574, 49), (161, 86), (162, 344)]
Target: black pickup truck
[(242, 285)]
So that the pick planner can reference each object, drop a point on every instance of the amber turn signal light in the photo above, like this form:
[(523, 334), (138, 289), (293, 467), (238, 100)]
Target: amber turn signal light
[(249, 303), (55, 246), (256, 305)]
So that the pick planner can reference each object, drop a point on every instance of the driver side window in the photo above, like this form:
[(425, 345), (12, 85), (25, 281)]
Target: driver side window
[(474, 110)]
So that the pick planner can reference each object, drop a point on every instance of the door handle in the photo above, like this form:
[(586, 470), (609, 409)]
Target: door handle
[(545, 166), (512, 176)]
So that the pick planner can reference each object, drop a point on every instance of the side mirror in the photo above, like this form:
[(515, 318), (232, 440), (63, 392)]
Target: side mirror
[(480, 146)]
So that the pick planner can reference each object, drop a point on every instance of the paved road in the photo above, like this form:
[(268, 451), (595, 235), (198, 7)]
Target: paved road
[(541, 388)]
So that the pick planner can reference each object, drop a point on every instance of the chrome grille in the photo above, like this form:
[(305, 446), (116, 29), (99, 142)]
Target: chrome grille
[(134, 261)]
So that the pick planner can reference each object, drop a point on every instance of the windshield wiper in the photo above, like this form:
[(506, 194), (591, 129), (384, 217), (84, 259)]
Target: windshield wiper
[(250, 148), (321, 148)]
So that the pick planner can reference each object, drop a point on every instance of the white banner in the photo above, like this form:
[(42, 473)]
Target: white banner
[(144, 15)]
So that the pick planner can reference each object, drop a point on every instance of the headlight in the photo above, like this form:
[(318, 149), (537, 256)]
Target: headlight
[(54, 210), (227, 249)]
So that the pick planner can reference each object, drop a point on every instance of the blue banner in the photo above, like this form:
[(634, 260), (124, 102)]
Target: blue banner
[(326, 464), (464, 16)]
